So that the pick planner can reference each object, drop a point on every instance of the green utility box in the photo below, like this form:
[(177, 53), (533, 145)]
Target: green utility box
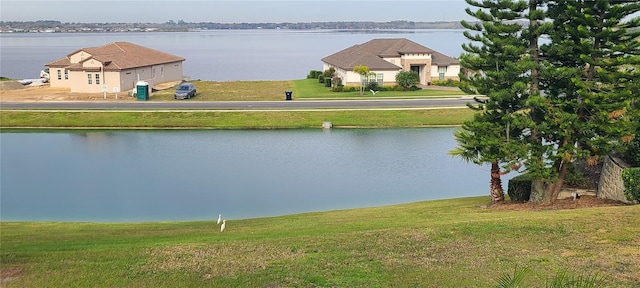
[(142, 91)]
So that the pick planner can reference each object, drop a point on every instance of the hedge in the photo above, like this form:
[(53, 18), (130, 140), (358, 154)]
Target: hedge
[(631, 179), (519, 189)]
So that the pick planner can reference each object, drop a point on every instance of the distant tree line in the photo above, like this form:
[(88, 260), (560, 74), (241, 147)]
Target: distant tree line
[(181, 25)]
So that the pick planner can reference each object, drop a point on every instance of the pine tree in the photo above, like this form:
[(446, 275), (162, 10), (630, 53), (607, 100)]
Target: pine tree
[(587, 77), (497, 64)]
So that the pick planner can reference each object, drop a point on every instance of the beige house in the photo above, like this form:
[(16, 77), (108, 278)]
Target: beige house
[(386, 57), (114, 66)]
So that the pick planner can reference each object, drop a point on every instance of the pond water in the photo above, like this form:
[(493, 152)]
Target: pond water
[(134, 176)]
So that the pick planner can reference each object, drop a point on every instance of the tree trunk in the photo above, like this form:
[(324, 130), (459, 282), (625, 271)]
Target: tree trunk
[(497, 193), (533, 47), (553, 190)]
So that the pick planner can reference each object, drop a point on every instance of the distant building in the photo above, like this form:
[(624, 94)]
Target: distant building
[(118, 64), (386, 57)]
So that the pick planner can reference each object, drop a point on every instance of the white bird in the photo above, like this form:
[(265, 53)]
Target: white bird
[(224, 223), (219, 219)]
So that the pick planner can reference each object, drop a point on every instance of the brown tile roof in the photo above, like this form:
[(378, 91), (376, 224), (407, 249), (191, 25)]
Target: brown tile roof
[(371, 53), (440, 59), (394, 47), (354, 56), (120, 56)]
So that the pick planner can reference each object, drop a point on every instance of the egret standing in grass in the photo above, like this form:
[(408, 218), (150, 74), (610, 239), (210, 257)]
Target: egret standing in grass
[(219, 219), (224, 224)]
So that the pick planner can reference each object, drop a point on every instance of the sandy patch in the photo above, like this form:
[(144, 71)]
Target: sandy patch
[(10, 92)]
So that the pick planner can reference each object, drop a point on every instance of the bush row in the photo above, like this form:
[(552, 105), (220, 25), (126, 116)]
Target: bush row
[(448, 83), (326, 79)]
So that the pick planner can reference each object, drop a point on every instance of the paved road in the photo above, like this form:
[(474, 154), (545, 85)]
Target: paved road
[(222, 105)]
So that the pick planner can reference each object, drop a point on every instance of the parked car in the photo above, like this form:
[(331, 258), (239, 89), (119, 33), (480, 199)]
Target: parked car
[(185, 91)]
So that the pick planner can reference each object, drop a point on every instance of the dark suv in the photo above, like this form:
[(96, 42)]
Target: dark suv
[(185, 91)]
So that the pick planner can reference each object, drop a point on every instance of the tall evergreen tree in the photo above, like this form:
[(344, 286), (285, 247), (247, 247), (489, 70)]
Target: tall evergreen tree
[(496, 64), (587, 75)]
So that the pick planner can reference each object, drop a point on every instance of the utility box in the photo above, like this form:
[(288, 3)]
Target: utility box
[(142, 91), (288, 94)]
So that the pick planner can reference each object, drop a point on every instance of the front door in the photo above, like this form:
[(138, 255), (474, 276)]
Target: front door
[(417, 70)]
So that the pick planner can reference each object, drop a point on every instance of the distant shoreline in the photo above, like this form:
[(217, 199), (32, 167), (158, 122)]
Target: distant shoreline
[(52, 26)]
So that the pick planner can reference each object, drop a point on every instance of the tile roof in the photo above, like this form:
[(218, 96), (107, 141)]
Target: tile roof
[(355, 55), (120, 56), (370, 54)]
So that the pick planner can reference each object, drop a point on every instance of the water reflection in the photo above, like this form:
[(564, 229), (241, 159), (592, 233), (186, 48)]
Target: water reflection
[(192, 175)]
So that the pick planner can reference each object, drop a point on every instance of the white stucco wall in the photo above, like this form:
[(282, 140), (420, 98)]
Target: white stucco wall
[(451, 73)]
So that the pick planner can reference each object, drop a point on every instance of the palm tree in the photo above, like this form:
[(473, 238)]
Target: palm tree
[(476, 145)]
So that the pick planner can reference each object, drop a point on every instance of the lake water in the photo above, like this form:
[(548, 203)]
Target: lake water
[(137, 176), (219, 55)]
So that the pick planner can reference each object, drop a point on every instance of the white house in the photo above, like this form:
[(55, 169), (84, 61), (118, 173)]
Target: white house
[(386, 57), (117, 64)]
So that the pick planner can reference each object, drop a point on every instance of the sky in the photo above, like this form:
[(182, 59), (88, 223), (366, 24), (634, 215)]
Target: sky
[(238, 11)]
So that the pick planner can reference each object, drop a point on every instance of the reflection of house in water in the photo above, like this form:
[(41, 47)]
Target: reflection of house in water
[(97, 139)]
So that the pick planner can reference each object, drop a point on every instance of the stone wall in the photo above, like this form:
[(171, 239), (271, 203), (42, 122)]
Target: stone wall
[(611, 185)]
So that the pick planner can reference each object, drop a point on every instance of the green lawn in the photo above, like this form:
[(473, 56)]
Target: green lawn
[(444, 243), (234, 120), (275, 90)]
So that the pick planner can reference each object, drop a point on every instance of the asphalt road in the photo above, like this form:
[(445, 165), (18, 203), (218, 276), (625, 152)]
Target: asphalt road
[(243, 105)]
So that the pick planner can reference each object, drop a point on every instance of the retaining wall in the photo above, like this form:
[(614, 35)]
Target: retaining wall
[(611, 185)]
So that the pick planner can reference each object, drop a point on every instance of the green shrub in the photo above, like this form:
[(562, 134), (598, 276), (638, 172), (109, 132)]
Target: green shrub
[(321, 78), (407, 79), (519, 189), (632, 155), (414, 88), (512, 281), (448, 83), (589, 280), (327, 82), (631, 179), (373, 86), (329, 72), (350, 89), (313, 74)]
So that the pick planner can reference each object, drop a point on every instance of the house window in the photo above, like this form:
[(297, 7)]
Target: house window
[(97, 79), (89, 79), (59, 74), (441, 71), (66, 74), (153, 72), (162, 71), (379, 78)]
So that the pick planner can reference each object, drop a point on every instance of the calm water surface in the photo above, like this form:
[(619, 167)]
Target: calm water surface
[(193, 175), (219, 55)]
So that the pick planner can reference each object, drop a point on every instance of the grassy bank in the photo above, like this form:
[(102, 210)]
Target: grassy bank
[(445, 243), (234, 120)]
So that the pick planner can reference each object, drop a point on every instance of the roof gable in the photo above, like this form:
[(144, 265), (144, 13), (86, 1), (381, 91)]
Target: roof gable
[(394, 47), (121, 56), (353, 56), (371, 54)]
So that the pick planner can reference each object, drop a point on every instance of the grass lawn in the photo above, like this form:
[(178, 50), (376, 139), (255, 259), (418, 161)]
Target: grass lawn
[(274, 90), (444, 243), (234, 120)]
